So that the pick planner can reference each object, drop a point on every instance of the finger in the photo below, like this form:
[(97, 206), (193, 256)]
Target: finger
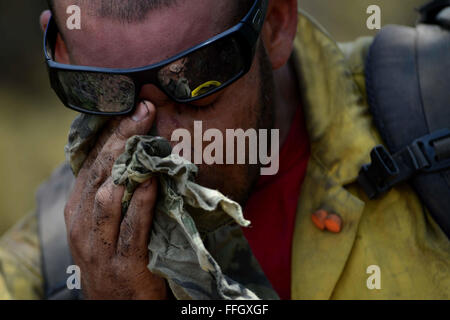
[(135, 227), (139, 123), (106, 215), (91, 178), (102, 138), (82, 196)]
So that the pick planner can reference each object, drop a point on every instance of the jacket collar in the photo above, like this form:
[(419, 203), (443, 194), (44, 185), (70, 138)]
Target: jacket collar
[(336, 112), (341, 137)]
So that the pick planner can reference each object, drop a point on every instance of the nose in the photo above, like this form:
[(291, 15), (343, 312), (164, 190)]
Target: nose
[(167, 117), (152, 93)]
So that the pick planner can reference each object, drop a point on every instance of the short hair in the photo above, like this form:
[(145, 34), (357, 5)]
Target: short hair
[(136, 10)]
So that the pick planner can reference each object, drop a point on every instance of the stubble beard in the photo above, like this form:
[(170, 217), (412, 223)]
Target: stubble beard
[(264, 120)]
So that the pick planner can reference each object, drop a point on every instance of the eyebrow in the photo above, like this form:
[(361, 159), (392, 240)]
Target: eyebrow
[(123, 11)]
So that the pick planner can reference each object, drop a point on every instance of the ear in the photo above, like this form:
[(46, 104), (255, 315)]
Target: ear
[(279, 31), (44, 19), (61, 52)]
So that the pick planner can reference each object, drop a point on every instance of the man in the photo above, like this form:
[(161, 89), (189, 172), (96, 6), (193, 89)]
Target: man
[(314, 231)]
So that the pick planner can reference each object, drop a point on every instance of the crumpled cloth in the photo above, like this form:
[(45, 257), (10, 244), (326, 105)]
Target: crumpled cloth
[(187, 216)]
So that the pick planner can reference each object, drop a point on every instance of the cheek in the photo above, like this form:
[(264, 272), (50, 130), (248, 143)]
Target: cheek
[(238, 106)]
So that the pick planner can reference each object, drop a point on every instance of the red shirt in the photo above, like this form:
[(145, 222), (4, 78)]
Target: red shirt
[(272, 208)]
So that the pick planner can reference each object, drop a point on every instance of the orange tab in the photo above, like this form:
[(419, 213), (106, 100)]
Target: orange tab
[(318, 218), (333, 223)]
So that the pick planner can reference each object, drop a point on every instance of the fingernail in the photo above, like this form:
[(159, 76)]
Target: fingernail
[(141, 112)]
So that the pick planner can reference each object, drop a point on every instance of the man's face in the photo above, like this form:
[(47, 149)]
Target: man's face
[(106, 42)]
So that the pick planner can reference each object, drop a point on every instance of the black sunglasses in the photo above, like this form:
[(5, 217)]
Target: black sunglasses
[(187, 77)]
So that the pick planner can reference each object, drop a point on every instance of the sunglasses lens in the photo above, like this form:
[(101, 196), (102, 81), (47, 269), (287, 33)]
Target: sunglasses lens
[(203, 71), (97, 92)]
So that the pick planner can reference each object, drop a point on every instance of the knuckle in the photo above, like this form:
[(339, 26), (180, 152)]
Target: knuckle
[(121, 132), (68, 211), (145, 196), (91, 257), (139, 201), (96, 175), (106, 161), (99, 170), (126, 231), (118, 266), (74, 235), (97, 149), (126, 247), (103, 197), (82, 249)]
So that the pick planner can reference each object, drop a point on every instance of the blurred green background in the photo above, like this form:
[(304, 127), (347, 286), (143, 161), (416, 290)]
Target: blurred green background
[(34, 125)]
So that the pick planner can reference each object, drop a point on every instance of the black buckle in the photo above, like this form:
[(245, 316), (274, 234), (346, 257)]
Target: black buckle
[(387, 170), (426, 145), (379, 176)]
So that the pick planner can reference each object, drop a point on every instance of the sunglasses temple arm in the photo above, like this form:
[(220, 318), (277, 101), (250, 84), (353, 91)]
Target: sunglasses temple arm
[(255, 18)]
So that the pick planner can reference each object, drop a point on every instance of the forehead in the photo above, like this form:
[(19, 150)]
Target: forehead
[(166, 31)]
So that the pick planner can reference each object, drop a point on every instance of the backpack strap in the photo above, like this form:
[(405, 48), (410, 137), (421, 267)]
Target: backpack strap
[(56, 257), (436, 12), (408, 87)]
